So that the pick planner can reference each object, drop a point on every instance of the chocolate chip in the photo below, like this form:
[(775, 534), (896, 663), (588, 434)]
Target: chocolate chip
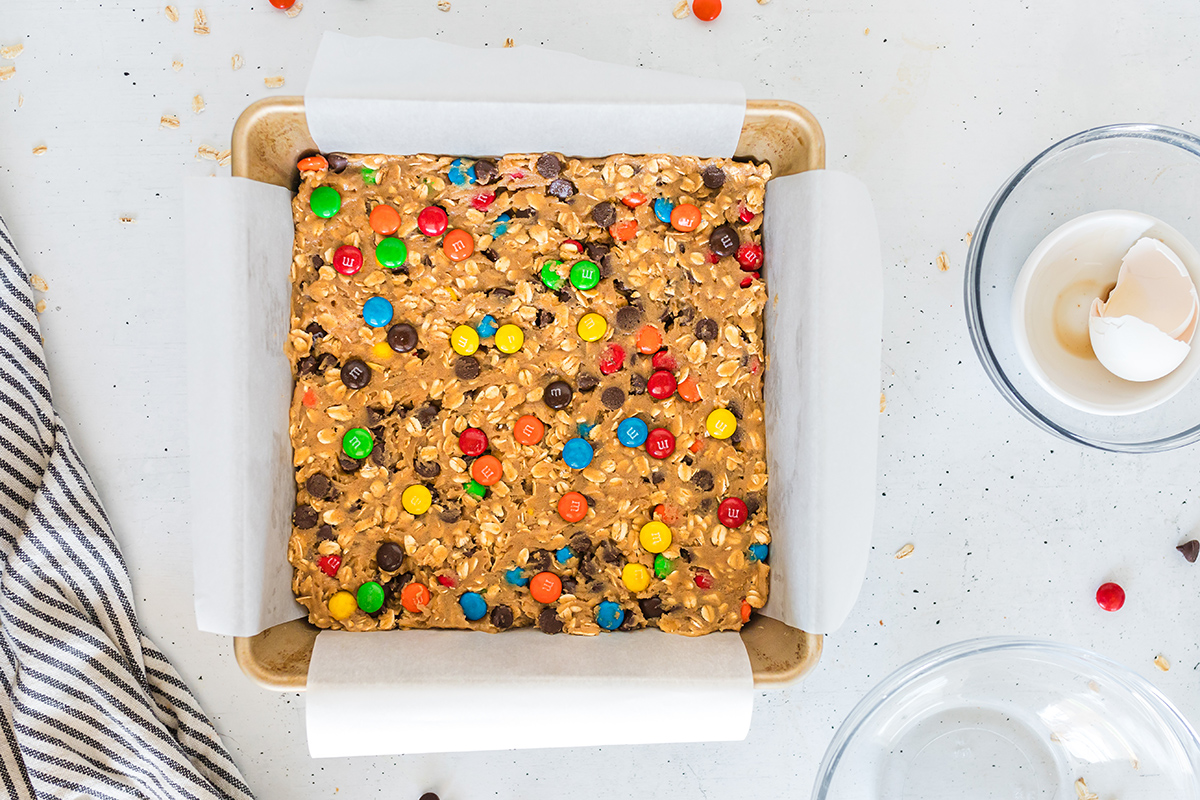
[(548, 621), (402, 337), (596, 251), (450, 514), (707, 329), (539, 560), (591, 501), (557, 394), (427, 469), (499, 291), (685, 554), (426, 414), (702, 479), (586, 382), (637, 384), (713, 176), (315, 330), (612, 397), (581, 544), (754, 503), (667, 319), (356, 374), (563, 295), (389, 556), (609, 553), (325, 533), (306, 366), (604, 214), (489, 254), (502, 617), (466, 368), (706, 505), (305, 517), (734, 408), (397, 583), (317, 261), (724, 240), (430, 796), (628, 318), (629, 294), (379, 453), (736, 437), (548, 166), (560, 188), (651, 607), (421, 353), (486, 171), (1190, 550), (589, 569), (629, 622), (326, 362), (543, 318), (337, 162), (318, 485), (348, 464), (522, 213), (657, 477), (569, 585)]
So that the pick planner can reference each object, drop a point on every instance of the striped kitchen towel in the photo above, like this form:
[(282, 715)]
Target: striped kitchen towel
[(89, 707)]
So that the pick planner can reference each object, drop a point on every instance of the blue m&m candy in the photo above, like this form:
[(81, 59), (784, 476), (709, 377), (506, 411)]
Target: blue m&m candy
[(487, 326), (758, 552), (517, 577), (577, 453), (609, 615), (377, 312), (501, 226), (663, 209), (632, 432), (459, 175), (473, 605), (563, 555)]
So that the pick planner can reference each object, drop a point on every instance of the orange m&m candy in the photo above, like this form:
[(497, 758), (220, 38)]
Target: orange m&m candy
[(414, 596), (312, 164), (384, 220), (486, 470), (634, 199), (529, 430), (624, 230), (545, 587), (572, 507), (745, 611), (649, 340), (689, 390), (458, 245), (685, 217)]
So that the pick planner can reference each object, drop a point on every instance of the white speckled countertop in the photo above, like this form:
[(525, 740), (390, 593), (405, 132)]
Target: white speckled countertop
[(932, 103)]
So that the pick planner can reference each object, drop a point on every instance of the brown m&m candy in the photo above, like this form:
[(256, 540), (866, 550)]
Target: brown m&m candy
[(724, 240), (558, 394), (402, 337), (356, 374)]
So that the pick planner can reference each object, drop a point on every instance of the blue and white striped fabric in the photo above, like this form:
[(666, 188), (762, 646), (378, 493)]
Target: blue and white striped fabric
[(89, 707)]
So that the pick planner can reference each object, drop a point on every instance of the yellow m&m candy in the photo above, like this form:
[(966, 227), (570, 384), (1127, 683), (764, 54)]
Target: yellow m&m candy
[(721, 423), (591, 327), (382, 350), (636, 577), (416, 499), (655, 537), (509, 339), (464, 340), (342, 605)]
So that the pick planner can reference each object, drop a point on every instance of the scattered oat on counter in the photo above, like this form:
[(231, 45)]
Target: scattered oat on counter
[(200, 23), (943, 261), (273, 82), (443, 5), (223, 157), (1082, 793), (197, 104), (12, 51), (681, 9), (7, 71), (969, 236), (882, 402), (763, 2), (41, 148), (1161, 662), (168, 121), (295, 10), (236, 61), (204, 151), (39, 283), (177, 65), (172, 13), (866, 31), (20, 100), (41, 306), (905, 552), (509, 42), (126, 220)]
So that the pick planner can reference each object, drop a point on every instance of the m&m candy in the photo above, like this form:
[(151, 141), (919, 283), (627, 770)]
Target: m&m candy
[(416, 499), (473, 605), (325, 201), (473, 442), (342, 605), (632, 432), (655, 537), (347, 259), (663, 209), (591, 327), (664, 360), (704, 579), (391, 252), (545, 587), (517, 577), (358, 443), (476, 489), (312, 163), (609, 615), (509, 339), (685, 217), (486, 470), (384, 220), (649, 340), (585, 275), (377, 312), (577, 453), (459, 175), (330, 564), (750, 257), (529, 429), (432, 221), (458, 245), (634, 199), (370, 597), (370, 176), (551, 277), (758, 552), (612, 359), (732, 512), (660, 443), (720, 423), (689, 390), (707, 10), (624, 230), (661, 384), (563, 555), (414, 597), (747, 610), (465, 340), (486, 327), (1110, 597), (635, 577), (663, 566), (572, 506)]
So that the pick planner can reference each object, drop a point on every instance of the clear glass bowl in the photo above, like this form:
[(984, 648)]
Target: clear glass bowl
[(1011, 718), (1146, 168)]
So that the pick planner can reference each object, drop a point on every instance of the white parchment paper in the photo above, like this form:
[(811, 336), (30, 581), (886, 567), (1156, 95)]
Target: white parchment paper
[(455, 691)]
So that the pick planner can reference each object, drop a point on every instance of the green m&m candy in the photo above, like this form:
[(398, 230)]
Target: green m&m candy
[(369, 176), (391, 252), (585, 275), (663, 566), (551, 276), (358, 443), (476, 488), (370, 597), (325, 201)]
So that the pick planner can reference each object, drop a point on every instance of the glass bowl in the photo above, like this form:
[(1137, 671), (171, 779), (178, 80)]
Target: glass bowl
[(1011, 718), (1145, 168)]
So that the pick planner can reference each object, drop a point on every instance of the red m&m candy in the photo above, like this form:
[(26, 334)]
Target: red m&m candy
[(472, 442), (750, 256), (481, 201), (330, 564), (347, 259), (1110, 597), (732, 512), (660, 443), (612, 359), (745, 215), (664, 360), (704, 579), (661, 384), (432, 221)]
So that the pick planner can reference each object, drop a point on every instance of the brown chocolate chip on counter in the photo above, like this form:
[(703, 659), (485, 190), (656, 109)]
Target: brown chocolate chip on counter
[(356, 374), (604, 214), (651, 607), (612, 397), (318, 485), (713, 176), (306, 366), (560, 188), (557, 395), (1190, 550), (502, 617), (348, 464), (402, 337), (548, 166), (586, 382), (702, 479), (430, 796), (389, 556), (543, 318), (305, 517), (637, 384), (628, 318), (548, 621), (707, 329), (325, 533), (315, 330), (486, 171), (427, 469), (337, 162), (466, 368), (450, 514), (724, 240)]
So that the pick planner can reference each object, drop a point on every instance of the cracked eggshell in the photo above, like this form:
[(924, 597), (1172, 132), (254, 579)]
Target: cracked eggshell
[(1133, 349)]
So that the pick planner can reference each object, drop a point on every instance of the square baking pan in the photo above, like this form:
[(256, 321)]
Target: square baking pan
[(269, 138)]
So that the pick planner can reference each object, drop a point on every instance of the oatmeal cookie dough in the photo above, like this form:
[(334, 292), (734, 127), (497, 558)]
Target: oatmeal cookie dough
[(529, 392)]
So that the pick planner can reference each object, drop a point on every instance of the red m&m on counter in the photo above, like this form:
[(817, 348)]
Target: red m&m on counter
[(1110, 597)]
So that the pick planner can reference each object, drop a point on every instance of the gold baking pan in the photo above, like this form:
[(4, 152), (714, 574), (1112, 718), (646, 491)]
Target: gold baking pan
[(269, 138)]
